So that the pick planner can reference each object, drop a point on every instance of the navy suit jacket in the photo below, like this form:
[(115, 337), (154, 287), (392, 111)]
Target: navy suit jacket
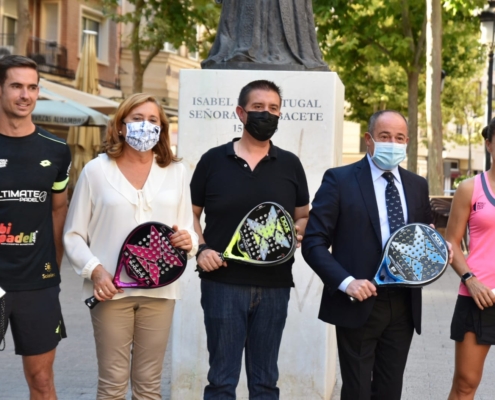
[(344, 216)]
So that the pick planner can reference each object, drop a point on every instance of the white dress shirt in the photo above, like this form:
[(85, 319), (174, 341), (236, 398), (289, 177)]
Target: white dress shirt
[(105, 208), (380, 184)]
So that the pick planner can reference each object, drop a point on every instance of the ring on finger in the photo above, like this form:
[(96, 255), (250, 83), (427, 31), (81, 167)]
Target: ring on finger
[(100, 291)]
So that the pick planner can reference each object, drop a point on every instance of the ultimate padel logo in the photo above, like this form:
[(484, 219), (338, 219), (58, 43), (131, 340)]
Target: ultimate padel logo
[(29, 196), (9, 237)]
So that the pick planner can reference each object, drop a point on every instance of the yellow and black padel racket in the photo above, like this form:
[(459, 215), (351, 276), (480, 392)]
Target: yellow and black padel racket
[(265, 237)]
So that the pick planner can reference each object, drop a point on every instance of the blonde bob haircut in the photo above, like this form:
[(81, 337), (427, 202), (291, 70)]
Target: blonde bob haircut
[(114, 142)]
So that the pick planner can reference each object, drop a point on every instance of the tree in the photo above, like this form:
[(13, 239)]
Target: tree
[(433, 89), (155, 22), (24, 27), (367, 34)]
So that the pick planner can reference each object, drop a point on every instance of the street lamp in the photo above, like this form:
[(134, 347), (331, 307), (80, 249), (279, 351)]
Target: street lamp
[(487, 18)]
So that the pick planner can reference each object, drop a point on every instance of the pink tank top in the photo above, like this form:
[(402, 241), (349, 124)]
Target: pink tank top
[(481, 259)]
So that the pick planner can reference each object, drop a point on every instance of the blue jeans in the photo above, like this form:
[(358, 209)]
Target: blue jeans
[(243, 317)]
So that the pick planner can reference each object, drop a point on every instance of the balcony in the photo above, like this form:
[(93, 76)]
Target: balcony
[(50, 57)]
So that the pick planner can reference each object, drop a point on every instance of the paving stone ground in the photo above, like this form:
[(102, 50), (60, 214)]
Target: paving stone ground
[(428, 373)]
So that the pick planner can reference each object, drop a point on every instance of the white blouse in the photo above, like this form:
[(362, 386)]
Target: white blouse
[(105, 208)]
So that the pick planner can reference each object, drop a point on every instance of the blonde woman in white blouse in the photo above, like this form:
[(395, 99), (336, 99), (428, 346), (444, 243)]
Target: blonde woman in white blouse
[(136, 180)]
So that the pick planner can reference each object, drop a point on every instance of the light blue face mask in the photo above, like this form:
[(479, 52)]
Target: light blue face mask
[(388, 155)]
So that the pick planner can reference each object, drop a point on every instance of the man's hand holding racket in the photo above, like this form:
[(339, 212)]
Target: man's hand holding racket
[(209, 260), (361, 289)]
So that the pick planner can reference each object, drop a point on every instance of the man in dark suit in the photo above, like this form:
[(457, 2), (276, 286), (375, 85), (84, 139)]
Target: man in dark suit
[(352, 214)]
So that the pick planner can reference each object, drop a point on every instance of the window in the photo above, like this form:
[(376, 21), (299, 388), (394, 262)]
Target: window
[(9, 31), (458, 129), (89, 24), (168, 47), (93, 20)]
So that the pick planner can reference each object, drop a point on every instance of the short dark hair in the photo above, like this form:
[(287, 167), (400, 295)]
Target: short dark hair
[(489, 131), (15, 61), (378, 114), (257, 85)]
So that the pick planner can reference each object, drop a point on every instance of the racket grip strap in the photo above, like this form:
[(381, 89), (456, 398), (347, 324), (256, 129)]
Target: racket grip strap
[(91, 302)]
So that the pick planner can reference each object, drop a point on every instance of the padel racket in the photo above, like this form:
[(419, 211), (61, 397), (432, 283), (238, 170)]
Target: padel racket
[(265, 237), (414, 256), (149, 259)]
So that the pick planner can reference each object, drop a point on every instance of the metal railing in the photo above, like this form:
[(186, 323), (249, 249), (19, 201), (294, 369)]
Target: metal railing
[(49, 56)]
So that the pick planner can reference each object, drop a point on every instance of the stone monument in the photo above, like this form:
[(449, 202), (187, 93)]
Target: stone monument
[(278, 34), (273, 40)]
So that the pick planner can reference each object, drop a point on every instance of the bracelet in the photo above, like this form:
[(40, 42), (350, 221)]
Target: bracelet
[(202, 247)]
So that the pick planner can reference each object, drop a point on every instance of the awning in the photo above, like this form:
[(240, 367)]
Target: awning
[(58, 110), (97, 103)]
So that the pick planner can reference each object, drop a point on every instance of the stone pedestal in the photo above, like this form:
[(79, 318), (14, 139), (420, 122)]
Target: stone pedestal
[(311, 127)]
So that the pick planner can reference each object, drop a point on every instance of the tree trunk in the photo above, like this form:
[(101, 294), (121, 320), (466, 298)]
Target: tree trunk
[(433, 89), (137, 78), (412, 113), (138, 70), (24, 27)]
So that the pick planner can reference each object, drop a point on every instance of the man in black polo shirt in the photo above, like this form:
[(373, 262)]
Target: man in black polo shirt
[(245, 307), (34, 168)]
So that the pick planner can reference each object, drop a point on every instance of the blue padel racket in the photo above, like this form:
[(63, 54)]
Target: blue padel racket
[(265, 237), (149, 259), (414, 256)]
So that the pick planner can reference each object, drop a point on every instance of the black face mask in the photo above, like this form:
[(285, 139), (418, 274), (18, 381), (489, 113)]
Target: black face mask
[(261, 125)]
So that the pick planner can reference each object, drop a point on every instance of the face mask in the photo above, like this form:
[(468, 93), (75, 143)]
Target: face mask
[(261, 125), (388, 155), (142, 136)]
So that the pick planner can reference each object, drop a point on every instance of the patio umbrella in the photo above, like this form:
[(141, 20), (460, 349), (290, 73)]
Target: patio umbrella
[(85, 142), (61, 111)]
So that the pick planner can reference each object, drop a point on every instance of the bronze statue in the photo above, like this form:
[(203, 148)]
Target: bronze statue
[(266, 34)]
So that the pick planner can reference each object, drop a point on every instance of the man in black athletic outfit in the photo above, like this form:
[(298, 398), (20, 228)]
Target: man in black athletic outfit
[(34, 166)]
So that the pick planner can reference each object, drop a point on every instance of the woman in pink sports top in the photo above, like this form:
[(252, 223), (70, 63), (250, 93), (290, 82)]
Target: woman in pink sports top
[(473, 323)]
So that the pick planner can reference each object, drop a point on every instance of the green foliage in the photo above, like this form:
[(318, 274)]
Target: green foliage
[(463, 104), (373, 44), (459, 179), (161, 21)]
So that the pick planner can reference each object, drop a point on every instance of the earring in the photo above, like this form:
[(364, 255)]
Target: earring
[(120, 133)]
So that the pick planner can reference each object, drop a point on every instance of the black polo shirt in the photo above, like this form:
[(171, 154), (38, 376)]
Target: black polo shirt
[(224, 185)]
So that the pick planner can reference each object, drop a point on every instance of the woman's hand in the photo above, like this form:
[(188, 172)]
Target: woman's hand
[(481, 294), (104, 289), (181, 239)]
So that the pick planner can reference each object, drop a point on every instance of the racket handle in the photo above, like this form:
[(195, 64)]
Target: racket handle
[(91, 302)]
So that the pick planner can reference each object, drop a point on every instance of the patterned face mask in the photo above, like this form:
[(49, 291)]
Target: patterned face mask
[(142, 136)]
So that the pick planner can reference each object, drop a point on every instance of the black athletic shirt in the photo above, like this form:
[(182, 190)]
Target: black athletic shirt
[(31, 169), (224, 185)]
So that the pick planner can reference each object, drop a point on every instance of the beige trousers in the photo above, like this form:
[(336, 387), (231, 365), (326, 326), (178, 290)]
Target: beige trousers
[(131, 337)]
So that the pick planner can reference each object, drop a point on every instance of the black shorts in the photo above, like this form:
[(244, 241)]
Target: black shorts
[(469, 318), (35, 318)]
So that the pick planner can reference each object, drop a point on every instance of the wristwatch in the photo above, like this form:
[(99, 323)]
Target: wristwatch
[(467, 276)]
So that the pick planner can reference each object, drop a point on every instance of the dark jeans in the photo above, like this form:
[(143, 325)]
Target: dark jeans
[(243, 317)]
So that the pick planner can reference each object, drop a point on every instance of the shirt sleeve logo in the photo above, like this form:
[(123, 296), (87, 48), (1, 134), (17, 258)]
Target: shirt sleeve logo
[(45, 163)]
